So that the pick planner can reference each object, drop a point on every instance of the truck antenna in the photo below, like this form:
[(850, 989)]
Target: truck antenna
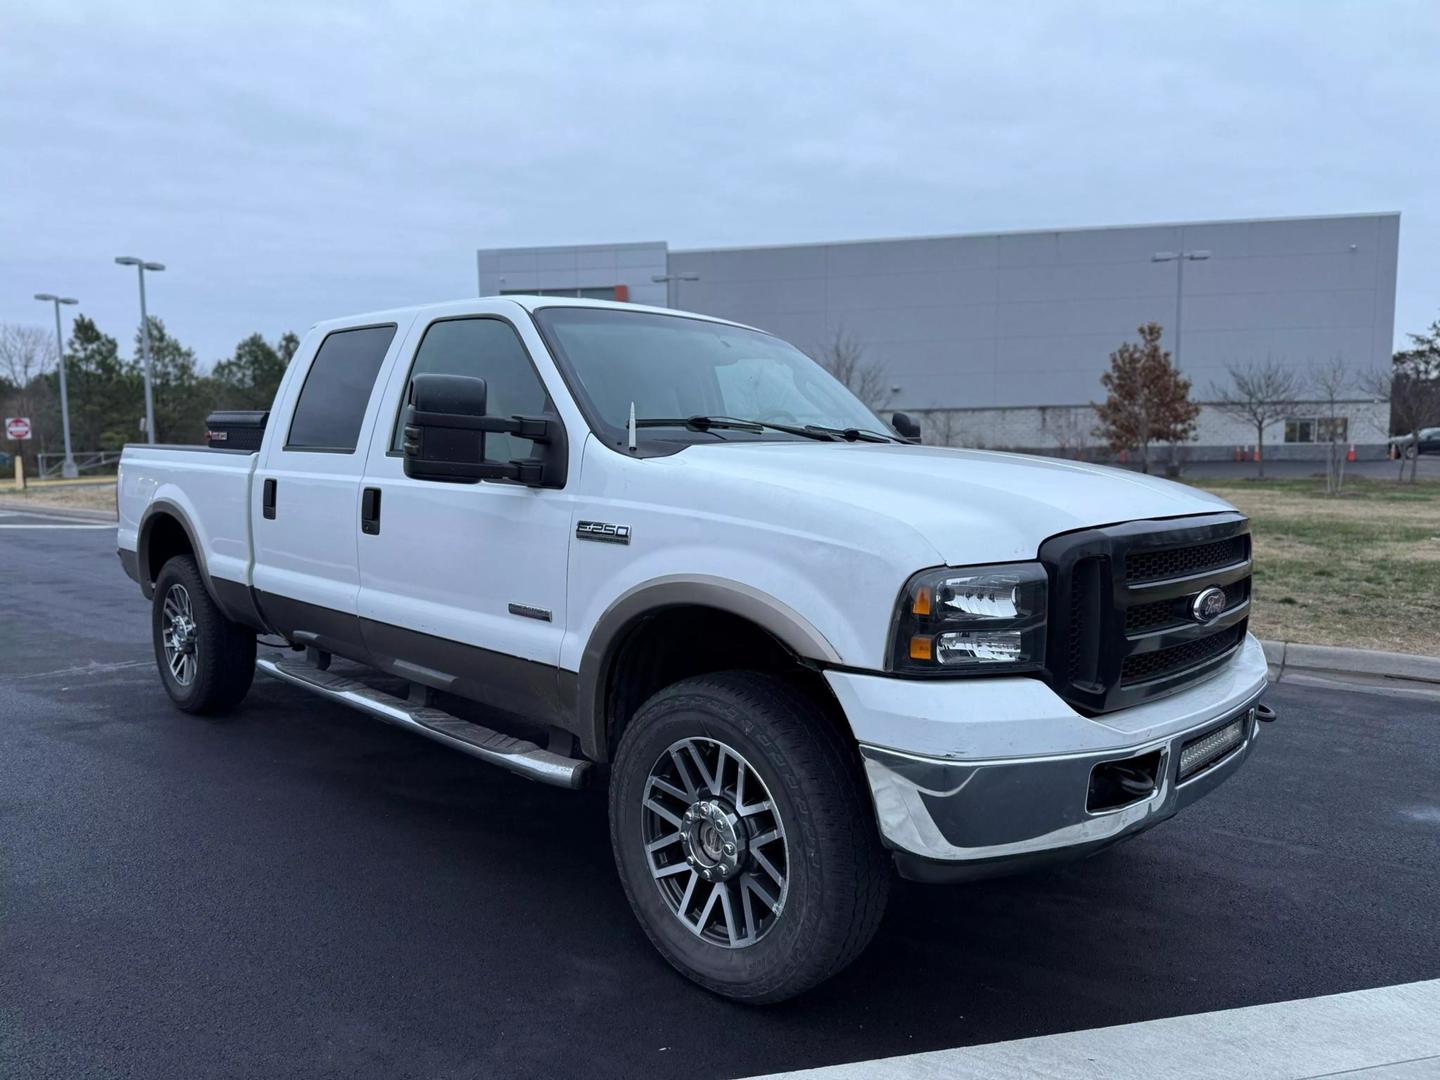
[(631, 428)]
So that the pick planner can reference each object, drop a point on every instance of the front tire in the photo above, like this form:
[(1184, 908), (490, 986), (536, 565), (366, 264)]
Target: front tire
[(206, 661), (743, 838)]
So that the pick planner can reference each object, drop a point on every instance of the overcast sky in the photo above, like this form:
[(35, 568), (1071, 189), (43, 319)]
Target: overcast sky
[(299, 161)]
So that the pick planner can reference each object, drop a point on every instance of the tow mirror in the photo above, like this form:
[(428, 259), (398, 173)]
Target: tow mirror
[(445, 427), (907, 427)]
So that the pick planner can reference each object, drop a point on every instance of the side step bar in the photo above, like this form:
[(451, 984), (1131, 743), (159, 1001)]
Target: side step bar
[(517, 755)]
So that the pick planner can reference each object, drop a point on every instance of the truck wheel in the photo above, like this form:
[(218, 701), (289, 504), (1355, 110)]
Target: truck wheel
[(744, 839), (206, 661)]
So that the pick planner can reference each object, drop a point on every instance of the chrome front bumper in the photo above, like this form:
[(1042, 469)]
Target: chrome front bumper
[(953, 818)]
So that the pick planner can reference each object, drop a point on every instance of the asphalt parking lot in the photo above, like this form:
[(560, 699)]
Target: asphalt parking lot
[(300, 891)]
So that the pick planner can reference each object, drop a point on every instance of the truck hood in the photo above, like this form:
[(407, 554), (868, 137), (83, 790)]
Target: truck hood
[(971, 505)]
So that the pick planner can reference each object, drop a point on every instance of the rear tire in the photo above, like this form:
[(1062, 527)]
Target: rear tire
[(814, 854), (206, 661)]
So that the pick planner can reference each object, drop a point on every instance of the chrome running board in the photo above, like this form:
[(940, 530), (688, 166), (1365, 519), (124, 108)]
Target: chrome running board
[(517, 755)]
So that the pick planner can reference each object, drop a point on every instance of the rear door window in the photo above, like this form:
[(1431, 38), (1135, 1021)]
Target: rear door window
[(337, 388)]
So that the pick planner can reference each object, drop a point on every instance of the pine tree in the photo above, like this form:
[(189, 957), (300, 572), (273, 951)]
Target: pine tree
[(106, 398), (249, 378)]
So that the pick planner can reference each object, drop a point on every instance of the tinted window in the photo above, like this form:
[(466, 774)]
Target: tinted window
[(488, 349), (337, 388)]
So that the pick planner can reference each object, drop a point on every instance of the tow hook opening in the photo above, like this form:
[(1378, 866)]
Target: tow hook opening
[(1114, 784), (1265, 714)]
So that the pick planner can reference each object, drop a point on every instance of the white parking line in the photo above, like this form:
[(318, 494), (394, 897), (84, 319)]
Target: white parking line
[(58, 526), (1392, 1032)]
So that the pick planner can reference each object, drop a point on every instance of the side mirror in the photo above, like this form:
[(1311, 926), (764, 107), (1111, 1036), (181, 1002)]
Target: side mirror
[(445, 427), (907, 427)]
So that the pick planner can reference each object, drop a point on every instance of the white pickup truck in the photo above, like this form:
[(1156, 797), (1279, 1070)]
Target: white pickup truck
[(579, 539)]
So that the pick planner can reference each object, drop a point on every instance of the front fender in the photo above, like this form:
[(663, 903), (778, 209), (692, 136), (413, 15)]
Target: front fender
[(777, 618)]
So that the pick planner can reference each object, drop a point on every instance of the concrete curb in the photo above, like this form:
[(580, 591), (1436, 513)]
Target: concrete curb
[(22, 506), (1370, 667)]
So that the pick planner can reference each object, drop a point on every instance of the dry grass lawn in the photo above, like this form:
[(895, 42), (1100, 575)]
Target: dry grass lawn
[(1360, 570), (70, 495)]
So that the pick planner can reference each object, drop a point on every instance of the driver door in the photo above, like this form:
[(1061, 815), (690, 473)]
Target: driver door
[(462, 586)]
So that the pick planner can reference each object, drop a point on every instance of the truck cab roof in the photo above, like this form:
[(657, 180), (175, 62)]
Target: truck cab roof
[(524, 301)]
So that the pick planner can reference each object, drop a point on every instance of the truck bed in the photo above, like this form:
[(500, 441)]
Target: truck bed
[(210, 486)]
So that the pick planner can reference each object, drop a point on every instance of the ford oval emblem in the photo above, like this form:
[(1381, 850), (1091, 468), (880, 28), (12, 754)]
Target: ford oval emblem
[(1208, 605)]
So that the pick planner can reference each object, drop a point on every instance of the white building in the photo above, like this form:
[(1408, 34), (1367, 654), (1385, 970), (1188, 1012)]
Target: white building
[(1000, 339)]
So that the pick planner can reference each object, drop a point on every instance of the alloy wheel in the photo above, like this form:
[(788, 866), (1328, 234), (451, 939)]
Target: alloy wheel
[(179, 636), (715, 843)]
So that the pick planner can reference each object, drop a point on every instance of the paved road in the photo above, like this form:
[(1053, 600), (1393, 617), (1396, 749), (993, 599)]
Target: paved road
[(298, 891)]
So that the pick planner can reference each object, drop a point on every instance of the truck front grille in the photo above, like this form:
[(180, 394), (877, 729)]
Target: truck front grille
[(1122, 626), (1184, 561), (1158, 613), (1143, 667)]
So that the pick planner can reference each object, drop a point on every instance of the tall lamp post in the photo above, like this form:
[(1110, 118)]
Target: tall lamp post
[(1180, 257), (672, 285), (67, 470), (141, 266)]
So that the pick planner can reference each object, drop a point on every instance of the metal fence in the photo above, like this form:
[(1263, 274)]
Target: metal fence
[(97, 463)]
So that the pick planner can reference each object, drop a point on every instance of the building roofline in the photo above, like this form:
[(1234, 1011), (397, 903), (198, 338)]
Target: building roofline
[(1036, 232), (543, 249)]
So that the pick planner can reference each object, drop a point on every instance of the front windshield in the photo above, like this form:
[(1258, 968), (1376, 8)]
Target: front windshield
[(673, 367)]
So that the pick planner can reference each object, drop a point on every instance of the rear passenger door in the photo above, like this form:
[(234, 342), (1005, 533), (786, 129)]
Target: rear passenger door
[(306, 492), (463, 585)]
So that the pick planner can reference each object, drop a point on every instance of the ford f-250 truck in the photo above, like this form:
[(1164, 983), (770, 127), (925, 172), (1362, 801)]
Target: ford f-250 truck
[(673, 552)]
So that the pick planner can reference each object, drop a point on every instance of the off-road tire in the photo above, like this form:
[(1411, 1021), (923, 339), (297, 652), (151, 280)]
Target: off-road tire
[(838, 874)]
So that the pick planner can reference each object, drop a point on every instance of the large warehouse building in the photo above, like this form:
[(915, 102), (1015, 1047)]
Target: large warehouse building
[(1000, 339)]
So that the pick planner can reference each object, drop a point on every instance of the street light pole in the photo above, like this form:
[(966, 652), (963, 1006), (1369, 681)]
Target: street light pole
[(672, 285), (1180, 257), (67, 470), (141, 266)]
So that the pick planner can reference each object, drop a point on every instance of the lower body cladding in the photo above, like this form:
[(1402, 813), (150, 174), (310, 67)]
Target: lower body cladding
[(992, 776)]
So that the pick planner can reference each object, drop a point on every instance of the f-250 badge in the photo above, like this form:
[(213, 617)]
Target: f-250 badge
[(603, 531)]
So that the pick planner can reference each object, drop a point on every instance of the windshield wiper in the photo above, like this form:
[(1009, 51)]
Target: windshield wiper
[(852, 434), (731, 423)]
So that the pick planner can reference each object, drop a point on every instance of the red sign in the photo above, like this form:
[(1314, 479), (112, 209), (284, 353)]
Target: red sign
[(17, 427)]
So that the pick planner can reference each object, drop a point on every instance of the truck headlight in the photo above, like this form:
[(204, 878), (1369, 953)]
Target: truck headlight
[(975, 618)]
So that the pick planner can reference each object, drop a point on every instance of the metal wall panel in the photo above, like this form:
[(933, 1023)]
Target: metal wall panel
[(1026, 319)]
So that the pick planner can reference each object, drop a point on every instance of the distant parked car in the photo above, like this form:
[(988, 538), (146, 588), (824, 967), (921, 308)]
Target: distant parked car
[(1429, 442)]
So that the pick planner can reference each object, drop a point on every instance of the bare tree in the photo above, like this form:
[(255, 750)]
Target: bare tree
[(26, 352), (844, 357), (1330, 385), (1071, 429), (1258, 394), (1414, 397), (943, 429)]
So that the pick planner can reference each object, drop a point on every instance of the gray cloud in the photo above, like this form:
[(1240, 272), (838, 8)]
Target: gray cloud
[(298, 161)]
